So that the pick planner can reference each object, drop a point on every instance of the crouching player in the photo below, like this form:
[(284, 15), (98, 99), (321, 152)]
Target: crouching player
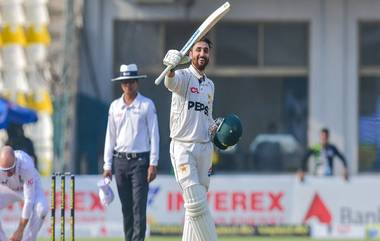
[(20, 182)]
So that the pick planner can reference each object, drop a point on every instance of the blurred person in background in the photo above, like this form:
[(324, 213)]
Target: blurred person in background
[(20, 182), (18, 141), (132, 143), (323, 154)]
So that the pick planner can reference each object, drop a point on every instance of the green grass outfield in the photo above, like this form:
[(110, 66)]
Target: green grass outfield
[(165, 238)]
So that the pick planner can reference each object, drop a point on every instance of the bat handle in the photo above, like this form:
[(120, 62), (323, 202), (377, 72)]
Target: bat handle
[(162, 75)]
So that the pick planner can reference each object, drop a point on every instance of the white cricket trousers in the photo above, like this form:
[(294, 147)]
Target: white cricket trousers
[(191, 162), (40, 210)]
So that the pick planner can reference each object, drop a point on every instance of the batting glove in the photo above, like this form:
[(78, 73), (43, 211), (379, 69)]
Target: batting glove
[(172, 58)]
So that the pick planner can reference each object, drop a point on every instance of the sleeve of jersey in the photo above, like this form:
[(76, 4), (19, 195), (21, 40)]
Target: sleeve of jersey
[(305, 159), (340, 155), (153, 134), (110, 140), (27, 174), (178, 83)]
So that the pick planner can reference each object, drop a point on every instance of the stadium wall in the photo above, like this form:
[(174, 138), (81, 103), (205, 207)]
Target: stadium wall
[(240, 204)]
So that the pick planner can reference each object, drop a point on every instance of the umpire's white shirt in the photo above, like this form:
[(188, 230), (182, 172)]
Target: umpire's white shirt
[(191, 107), (25, 181), (132, 128)]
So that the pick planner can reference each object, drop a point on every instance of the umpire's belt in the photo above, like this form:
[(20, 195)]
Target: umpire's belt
[(126, 155)]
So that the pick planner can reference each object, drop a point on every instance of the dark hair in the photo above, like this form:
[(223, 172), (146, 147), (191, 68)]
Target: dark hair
[(326, 131), (206, 40)]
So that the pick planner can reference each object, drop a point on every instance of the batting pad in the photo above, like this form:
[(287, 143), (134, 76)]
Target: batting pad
[(188, 231), (198, 214)]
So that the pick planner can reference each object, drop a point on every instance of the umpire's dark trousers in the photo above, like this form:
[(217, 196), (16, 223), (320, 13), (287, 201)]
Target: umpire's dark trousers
[(132, 186)]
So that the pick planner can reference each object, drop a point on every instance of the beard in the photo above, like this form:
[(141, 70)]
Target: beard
[(200, 63)]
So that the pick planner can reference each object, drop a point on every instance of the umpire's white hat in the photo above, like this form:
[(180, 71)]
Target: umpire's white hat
[(129, 72), (106, 195)]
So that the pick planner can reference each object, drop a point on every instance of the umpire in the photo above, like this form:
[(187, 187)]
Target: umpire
[(132, 142)]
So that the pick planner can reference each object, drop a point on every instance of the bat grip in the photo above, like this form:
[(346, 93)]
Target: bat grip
[(162, 75)]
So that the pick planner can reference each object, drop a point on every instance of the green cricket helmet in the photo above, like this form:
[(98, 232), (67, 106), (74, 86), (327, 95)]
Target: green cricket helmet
[(229, 131)]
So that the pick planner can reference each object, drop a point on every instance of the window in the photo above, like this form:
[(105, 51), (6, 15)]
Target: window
[(285, 44), (370, 44), (261, 44), (176, 34), (237, 44), (369, 97)]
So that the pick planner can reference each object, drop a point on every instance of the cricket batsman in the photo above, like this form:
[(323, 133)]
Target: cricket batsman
[(191, 126), (192, 130)]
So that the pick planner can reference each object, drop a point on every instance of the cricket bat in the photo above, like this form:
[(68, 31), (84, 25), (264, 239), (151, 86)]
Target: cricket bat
[(198, 34)]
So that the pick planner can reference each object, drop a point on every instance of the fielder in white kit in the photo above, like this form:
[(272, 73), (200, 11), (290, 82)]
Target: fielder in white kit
[(20, 182), (191, 130)]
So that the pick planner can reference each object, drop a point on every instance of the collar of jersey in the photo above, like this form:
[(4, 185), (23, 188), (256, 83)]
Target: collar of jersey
[(135, 103), (196, 73)]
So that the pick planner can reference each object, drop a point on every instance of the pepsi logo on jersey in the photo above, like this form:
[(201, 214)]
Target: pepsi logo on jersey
[(198, 106)]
